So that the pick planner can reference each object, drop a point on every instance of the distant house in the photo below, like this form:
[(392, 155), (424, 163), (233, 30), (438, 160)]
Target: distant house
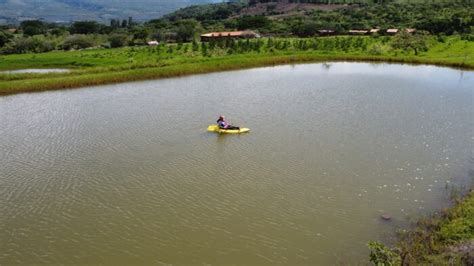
[(410, 30), (373, 31), (326, 32), (12, 30), (229, 35), (153, 43), (392, 31), (358, 32)]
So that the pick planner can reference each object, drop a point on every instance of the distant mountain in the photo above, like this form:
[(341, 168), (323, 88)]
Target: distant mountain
[(99, 10)]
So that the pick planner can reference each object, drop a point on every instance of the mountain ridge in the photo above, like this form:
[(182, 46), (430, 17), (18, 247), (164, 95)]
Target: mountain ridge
[(13, 11)]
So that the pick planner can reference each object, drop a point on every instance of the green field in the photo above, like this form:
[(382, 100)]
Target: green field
[(104, 66)]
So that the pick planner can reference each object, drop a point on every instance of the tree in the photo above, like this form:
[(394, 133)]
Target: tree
[(305, 29), (33, 27), (186, 30), (195, 46), (158, 35), (204, 49), (222, 13), (58, 31), (5, 37), (407, 41), (158, 23), (118, 40), (115, 23), (124, 24), (85, 27), (140, 34), (252, 22), (184, 34)]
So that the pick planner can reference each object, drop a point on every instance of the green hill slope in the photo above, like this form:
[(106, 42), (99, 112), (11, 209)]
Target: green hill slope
[(100, 10)]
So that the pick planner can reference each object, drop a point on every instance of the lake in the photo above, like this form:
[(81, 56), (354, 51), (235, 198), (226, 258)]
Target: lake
[(127, 174)]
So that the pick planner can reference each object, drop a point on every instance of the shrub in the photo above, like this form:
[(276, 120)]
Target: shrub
[(85, 27), (77, 41), (381, 255), (5, 37), (467, 37), (118, 40), (35, 44), (376, 49), (305, 29)]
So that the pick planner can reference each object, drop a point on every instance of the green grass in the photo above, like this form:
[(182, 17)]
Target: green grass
[(445, 239), (105, 66), (459, 225)]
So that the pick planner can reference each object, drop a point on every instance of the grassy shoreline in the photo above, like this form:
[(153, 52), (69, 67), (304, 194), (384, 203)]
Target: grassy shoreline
[(445, 238), (58, 82), (108, 66)]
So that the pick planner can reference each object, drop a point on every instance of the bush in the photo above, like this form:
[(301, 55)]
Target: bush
[(5, 37), (252, 22), (77, 41), (467, 37), (35, 44), (381, 255), (85, 27), (118, 40), (305, 29), (441, 38), (376, 49)]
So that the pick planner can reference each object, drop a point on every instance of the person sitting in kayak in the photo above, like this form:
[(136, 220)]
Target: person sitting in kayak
[(224, 125)]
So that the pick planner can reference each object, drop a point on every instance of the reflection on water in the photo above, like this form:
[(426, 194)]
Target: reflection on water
[(127, 174), (35, 71)]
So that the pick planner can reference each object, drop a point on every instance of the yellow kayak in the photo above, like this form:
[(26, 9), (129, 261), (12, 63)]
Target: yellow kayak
[(215, 128)]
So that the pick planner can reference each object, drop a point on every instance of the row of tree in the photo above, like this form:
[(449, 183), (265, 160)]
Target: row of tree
[(403, 42)]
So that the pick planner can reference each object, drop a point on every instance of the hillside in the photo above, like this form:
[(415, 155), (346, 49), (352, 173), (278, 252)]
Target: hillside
[(272, 9), (303, 19), (12, 11)]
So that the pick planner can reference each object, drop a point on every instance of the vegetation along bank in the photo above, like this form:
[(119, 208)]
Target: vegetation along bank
[(446, 238), (104, 66)]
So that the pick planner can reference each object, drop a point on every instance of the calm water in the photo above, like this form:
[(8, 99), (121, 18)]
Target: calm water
[(35, 71), (127, 174)]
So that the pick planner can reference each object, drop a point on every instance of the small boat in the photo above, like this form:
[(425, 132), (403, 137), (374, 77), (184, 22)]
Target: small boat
[(215, 128)]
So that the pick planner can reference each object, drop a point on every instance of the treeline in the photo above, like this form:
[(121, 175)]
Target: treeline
[(345, 44), (403, 42), (38, 36)]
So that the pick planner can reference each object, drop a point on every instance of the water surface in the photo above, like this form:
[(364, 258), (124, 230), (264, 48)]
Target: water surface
[(127, 174), (35, 71)]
